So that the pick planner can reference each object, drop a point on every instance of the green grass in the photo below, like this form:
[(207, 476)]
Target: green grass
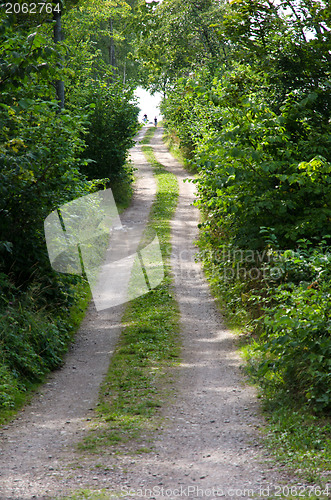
[(149, 134), (138, 381), (300, 441), (123, 188), (90, 495)]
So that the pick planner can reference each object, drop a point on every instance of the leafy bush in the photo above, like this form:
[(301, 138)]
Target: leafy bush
[(33, 337), (254, 175), (112, 125), (295, 349), (297, 346), (32, 344)]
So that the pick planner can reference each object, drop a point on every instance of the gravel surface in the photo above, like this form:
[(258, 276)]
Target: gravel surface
[(209, 446)]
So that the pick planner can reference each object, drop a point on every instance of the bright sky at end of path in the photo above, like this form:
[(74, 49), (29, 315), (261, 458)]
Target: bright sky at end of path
[(148, 104)]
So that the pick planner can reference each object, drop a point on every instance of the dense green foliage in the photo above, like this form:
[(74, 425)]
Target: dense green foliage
[(40, 148), (49, 156), (173, 37), (96, 85), (111, 128), (253, 118)]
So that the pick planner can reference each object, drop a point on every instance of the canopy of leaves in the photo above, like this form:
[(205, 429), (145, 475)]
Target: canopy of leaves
[(175, 37)]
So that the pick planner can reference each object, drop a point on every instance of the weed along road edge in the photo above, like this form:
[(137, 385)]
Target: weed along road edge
[(207, 443)]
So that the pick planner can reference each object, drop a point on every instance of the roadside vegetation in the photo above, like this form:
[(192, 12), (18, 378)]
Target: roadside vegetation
[(248, 101), (138, 383)]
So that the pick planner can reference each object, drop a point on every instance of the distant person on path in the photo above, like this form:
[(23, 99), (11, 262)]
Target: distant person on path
[(145, 118), (155, 122)]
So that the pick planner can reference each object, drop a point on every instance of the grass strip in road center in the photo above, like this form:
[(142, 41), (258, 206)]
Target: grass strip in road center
[(138, 380)]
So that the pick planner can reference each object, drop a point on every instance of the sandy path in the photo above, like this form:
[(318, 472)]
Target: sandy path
[(209, 446)]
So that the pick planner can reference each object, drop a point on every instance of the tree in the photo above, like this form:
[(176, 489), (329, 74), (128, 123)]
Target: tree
[(95, 33), (176, 38)]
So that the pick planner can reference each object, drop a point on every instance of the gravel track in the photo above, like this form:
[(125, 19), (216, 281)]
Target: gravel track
[(209, 446)]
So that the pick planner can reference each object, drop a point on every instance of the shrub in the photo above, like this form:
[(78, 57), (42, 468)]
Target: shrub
[(112, 126), (295, 349)]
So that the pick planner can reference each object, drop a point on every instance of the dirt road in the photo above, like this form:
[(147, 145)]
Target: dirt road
[(210, 445)]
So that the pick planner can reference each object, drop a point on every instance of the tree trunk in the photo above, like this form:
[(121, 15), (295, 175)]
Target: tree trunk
[(112, 58), (59, 85)]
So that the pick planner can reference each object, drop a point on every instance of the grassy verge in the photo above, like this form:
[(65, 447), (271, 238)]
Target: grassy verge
[(34, 337), (138, 379), (173, 144), (301, 442), (123, 188), (298, 439), (149, 134)]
